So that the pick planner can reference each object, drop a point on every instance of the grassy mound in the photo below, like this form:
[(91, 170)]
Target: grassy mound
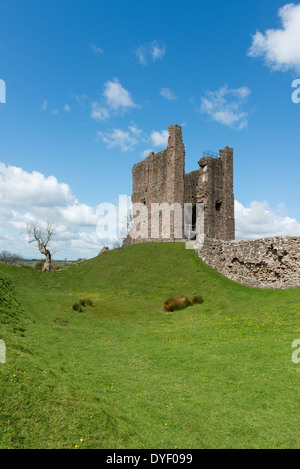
[(126, 375)]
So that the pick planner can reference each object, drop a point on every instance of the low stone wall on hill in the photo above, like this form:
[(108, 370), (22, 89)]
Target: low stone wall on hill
[(262, 263)]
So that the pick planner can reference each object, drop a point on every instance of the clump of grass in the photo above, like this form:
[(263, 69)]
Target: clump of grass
[(86, 302), (181, 302), (197, 300), (77, 307), (82, 303), (176, 304)]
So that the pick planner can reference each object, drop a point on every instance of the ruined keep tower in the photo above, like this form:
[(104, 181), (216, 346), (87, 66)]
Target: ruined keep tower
[(215, 191), (160, 179)]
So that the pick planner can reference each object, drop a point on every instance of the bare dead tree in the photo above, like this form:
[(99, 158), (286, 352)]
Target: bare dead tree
[(43, 237), (126, 225)]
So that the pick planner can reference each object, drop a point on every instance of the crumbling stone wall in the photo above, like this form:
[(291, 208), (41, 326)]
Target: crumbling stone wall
[(263, 263)]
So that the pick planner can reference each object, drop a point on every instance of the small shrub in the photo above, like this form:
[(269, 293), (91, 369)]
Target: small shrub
[(168, 305), (86, 302), (77, 307), (197, 300), (181, 302), (55, 265), (176, 304), (39, 264)]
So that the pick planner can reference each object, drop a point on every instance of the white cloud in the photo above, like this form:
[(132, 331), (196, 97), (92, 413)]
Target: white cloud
[(115, 98), (151, 51), (259, 221), (141, 55), (146, 153), (135, 130), (168, 94), (98, 51), (281, 209), (81, 99), (27, 197), (67, 108), (19, 188), (160, 139), (45, 105), (125, 140), (157, 50), (128, 139), (99, 112), (225, 106), (280, 48)]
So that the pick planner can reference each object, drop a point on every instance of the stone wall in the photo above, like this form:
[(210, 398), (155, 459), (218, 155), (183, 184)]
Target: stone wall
[(263, 263), (158, 179), (191, 187), (149, 177), (215, 191)]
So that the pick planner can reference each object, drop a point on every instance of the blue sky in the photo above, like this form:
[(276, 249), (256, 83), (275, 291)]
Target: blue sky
[(92, 85)]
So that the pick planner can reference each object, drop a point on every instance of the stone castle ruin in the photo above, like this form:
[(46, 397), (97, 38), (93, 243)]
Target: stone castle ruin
[(160, 178), (164, 193)]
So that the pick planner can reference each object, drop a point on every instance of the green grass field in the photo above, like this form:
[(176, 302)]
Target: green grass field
[(124, 374)]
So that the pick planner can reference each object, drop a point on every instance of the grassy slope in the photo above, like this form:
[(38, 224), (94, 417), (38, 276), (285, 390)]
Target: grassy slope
[(123, 374)]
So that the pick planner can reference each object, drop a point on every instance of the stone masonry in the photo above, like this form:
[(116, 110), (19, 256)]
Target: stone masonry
[(262, 263), (215, 191)]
